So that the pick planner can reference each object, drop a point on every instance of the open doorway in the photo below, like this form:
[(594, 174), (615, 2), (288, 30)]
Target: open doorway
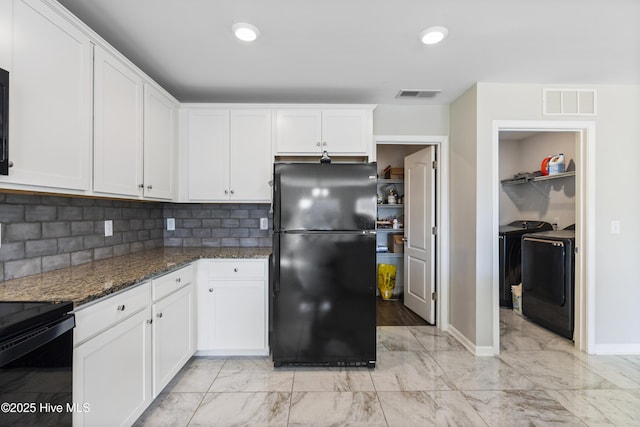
[(392, 151), (556, 201), (537, 217)]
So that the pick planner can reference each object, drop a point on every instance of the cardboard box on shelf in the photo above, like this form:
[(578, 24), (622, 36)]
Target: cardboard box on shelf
[(395, 243), (393, 173)]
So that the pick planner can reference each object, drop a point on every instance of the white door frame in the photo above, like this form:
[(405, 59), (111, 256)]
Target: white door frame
[(584, 335), (442, 213)]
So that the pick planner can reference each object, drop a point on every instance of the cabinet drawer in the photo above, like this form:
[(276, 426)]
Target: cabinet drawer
[(106, 313), (237, 269), (164, 285)]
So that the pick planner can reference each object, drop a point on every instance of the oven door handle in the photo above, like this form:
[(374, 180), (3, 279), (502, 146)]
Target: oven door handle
[(35, 338)]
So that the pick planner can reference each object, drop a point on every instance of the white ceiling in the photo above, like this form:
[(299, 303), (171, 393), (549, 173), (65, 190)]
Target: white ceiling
[(365, 51)]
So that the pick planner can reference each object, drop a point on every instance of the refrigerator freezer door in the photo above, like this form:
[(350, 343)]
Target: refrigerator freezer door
[(323, 306), (313, 196)]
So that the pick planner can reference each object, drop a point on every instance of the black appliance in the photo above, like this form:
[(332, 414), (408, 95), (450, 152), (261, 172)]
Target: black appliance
[(36, 354), (323, 280), (4, 122), (548, 279), (510, 258)]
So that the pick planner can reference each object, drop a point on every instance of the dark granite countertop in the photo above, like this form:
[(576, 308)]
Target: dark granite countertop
[(88, 282)]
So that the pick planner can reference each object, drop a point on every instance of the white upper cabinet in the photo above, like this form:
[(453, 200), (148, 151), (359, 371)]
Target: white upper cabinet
[(207, 154), (134, 133), (118, 127), (228, 154), (344, 131), (51, 100), (160, 135), (250, 155)]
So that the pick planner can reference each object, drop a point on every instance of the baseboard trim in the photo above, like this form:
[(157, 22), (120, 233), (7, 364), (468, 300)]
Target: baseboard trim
[(616, 349), (480, 351)]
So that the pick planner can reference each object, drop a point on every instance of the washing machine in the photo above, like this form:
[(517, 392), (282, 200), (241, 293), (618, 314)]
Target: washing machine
[(548, 279), (510, 238)]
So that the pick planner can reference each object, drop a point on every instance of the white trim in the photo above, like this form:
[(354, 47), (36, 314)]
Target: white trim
[(479, 351), (442, 202), (584, 335), (616, 349)]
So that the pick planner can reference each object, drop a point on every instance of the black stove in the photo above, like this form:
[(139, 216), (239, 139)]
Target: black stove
[(36, 360)]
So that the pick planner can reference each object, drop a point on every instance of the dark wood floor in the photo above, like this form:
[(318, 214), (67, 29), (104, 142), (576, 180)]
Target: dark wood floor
[(394, 313)]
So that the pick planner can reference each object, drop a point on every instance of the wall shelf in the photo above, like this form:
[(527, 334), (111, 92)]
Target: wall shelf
[(525, 179)]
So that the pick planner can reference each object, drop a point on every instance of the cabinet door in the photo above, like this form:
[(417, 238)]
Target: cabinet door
[(250, 155), (112, 374), (117, 127), (239, 316), (51, 95), (345, 131), (160, 118), (298, 131), (208, 154), (173, 335)]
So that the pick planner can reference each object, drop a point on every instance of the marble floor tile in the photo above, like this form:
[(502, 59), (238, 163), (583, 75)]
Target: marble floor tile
[(623, 371), (469, 372), (433, 339), (428, 408), (554, 370), (171, 410), (252, 374), (336, 409), (196, 376), (243, 409), (332, 379), (520, 408), (397, 338), (601, 407), (408, 371)]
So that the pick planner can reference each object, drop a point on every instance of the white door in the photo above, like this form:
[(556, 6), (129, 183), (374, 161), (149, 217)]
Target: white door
[(419, 251)]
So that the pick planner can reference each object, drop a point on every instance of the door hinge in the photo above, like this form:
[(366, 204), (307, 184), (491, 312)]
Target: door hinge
[(434, 296), (434, 230), (434, 164), (575, 250)]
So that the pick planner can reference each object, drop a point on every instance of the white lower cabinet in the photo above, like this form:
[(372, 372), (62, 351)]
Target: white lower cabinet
[(173, 335), (127, 347), (232, 307), (112, 370)]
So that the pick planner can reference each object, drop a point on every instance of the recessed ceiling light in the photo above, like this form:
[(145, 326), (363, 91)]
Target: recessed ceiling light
[(245, 32), (433, 35)]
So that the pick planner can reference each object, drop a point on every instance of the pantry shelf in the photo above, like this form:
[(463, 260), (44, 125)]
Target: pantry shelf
[(526, 179)]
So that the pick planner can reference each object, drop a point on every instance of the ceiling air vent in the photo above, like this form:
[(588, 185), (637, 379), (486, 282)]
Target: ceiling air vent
[(407, 93)]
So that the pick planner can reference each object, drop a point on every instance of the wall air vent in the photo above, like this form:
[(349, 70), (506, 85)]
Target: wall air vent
[(410, 93), (569, 102)]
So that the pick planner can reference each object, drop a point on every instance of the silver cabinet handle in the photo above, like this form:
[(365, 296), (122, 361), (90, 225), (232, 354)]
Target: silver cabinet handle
[(210, 289), (159, 315), (178, 280), (404, 239), (149, 321), (141, 186), (121, 307), (149, 187), (318, 144), (10, 164), (226, 191), (232, 192), (235, 269)]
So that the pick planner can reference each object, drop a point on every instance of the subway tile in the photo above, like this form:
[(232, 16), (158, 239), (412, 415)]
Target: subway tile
[(102, 253), (211, 223), (192, 223), (33, 213), (249, 243), (192, 242), (82, 228), (11, 251), (230, 223), (173, 242), (69, 213), (21, 268), (201, 232), (240, 213), (228, 241), (239, 232), (56, 229), (11, 213), (55, 262), (93, 241), (23, 199), (136, 246), (70, 244), (22, 231), (250, 223), (34, 248), (121, 249), (81, 257)]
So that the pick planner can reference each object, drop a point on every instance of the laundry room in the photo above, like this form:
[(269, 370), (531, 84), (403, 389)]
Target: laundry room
[(537, 227)]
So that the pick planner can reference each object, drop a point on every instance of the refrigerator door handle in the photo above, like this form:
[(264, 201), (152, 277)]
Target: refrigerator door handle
[(275, 266)]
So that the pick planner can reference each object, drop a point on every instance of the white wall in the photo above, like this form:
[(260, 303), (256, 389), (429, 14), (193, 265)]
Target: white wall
[(411, 120), (543, 200), (617, 284), (462, 184)]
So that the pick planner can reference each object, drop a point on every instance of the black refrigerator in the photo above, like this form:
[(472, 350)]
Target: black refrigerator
[(323, 275)]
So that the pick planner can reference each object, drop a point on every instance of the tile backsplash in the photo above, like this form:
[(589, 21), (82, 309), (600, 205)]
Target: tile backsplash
[(41, 233)]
